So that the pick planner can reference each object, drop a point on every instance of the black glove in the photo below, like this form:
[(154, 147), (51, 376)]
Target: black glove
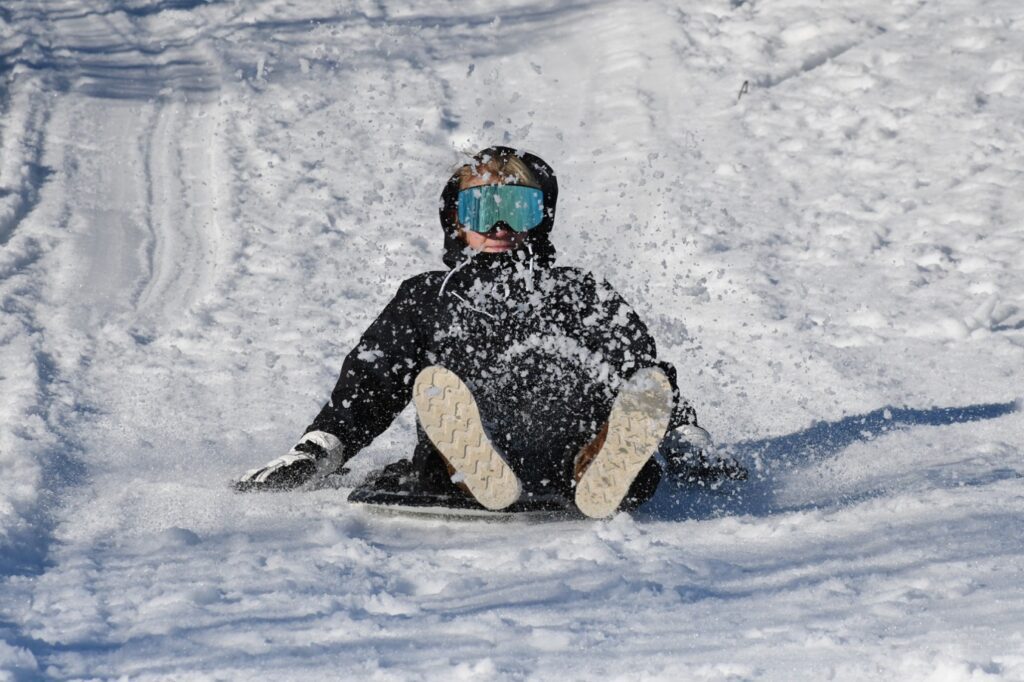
[(691, 458), (289, 471)]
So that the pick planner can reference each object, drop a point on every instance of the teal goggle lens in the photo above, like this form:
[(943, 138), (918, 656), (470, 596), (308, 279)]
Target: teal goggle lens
[(521, 208)]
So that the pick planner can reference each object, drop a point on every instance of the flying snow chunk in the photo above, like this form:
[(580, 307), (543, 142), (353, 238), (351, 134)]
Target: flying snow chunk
[(370, 355)]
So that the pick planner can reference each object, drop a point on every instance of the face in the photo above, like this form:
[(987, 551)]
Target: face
[(501, 237)]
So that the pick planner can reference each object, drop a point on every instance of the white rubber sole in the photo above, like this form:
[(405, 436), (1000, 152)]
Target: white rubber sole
[(636, 427), (451, 419)]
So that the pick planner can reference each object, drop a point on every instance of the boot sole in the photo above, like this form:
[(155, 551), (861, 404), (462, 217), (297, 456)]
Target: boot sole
[(636, 427), (451, 419)]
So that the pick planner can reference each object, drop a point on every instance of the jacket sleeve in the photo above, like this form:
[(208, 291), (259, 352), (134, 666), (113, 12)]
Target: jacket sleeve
[(628, 346), (376, 378)]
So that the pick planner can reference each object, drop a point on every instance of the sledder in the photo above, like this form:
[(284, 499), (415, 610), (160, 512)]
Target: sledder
[(534, 385)]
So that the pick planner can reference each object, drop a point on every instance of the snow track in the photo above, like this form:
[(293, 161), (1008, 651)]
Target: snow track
[(183, 194), (202, 204), (86, 237)]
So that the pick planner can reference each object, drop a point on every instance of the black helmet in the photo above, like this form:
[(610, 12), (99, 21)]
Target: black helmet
[(538, 237)]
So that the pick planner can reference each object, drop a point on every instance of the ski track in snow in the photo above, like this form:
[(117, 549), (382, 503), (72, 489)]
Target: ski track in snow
[(202, 204)]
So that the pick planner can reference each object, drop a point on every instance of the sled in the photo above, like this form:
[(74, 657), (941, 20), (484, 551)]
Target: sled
[(395, 490), (396, 504)]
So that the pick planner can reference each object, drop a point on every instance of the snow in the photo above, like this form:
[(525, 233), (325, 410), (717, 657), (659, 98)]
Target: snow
[(202, 205)]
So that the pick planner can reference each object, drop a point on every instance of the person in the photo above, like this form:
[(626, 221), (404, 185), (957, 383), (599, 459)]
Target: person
[(528, 378)]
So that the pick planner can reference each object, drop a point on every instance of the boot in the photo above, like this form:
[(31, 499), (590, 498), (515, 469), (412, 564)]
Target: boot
[(607, 467), (450, 417)]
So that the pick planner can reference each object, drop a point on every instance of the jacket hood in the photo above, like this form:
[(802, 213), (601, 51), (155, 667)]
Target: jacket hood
[(536, 245)]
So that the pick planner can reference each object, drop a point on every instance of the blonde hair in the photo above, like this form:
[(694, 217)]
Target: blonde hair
[(509, 168)]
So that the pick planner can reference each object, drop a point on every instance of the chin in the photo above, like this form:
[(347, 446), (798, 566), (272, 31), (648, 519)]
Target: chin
[(498, 248)]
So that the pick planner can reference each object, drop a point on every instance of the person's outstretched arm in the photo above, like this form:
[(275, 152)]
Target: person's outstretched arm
[(374, 386)]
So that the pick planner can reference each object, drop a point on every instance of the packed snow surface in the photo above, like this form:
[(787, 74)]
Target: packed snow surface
[(816, 206)]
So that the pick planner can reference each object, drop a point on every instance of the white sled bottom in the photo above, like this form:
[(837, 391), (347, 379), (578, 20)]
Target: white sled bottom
[(451, 419), (636, 426), (441, 511)]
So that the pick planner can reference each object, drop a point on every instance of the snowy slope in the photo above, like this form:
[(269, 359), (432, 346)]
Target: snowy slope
[(202, 204)]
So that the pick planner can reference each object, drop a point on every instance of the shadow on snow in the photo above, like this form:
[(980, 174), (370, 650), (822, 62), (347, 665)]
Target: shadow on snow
[(26, 548), (820, 441)]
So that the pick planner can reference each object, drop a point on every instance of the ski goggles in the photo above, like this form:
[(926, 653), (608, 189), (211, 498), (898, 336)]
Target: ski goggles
[(521, 208)]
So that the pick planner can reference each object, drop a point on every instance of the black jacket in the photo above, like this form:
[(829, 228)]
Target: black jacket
[(543, 349)]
